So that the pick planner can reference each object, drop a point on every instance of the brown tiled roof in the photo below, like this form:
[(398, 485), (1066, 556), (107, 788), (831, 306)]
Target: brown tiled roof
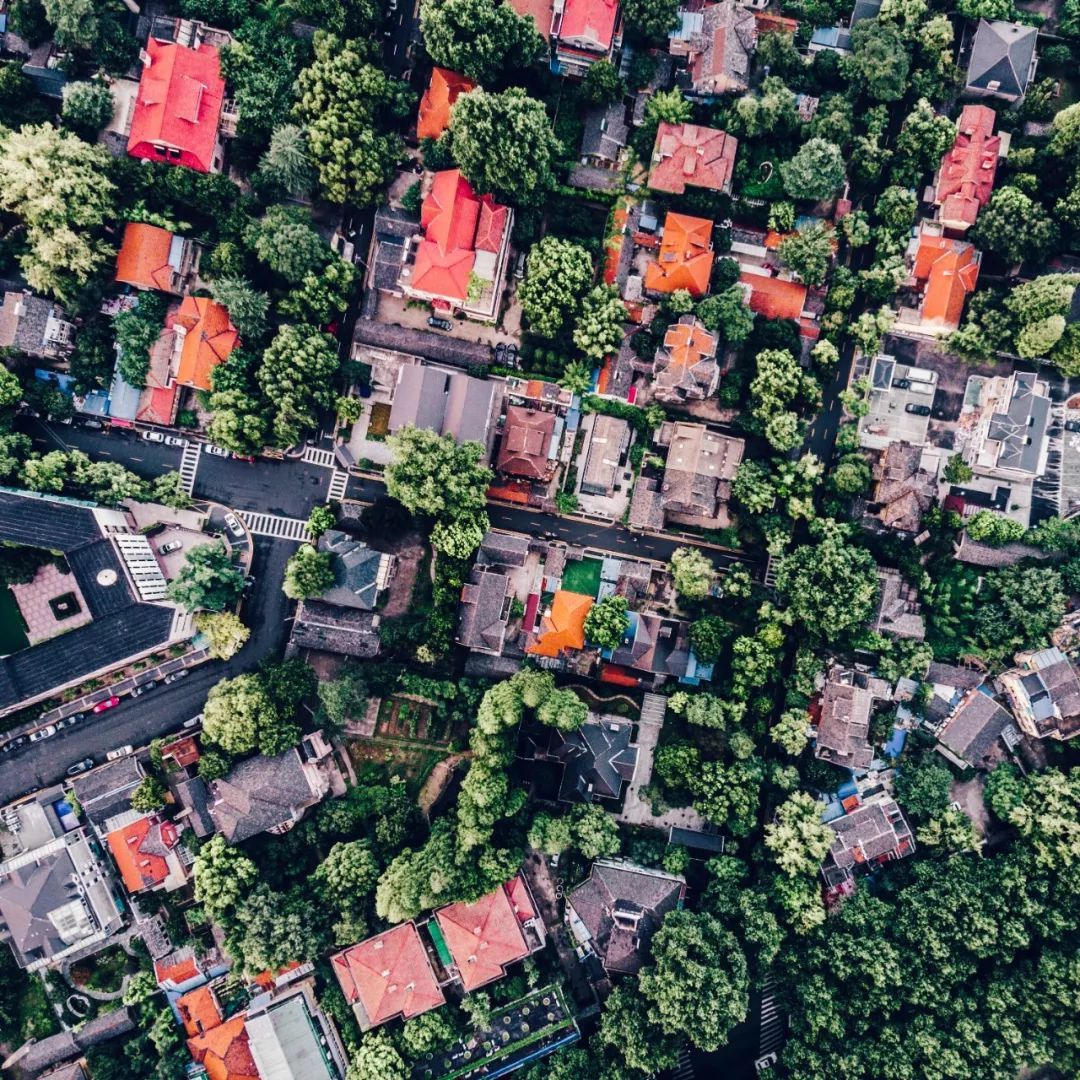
[(843, 733)]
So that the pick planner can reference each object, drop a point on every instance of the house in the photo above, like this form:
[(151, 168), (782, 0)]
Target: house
[(970, 737), (944, 271), (1044, 693), (584, 31), (290, 1037), (528, 446), (616, 911), (104, 794), (458, 260), (271, 794), (562, 626), (835, 39), (965, 180), (866, 837), (657, 648), (484, 611), (1003, 60), (445, 401), (688, 155), (899, 612), (843, 729), (34, 326), (487, 937), (685, 258), (605, 136), (597, 759), (609, 439), (718, 42), (56, 895), (204, 338), (177, 114), (330, 628), (224, 1051), (70, 1046), (904, 488), (154, 258), (1008, 425), (443, 90), (540, 11), (360, 572), (773, 297), (387, 977), (685, 367), (148, 854)]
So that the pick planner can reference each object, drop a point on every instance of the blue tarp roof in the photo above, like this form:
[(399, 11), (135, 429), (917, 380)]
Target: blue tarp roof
[(894, 747)]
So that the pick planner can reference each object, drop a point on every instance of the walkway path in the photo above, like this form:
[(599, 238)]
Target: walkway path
[(444, 349), (280, 528)]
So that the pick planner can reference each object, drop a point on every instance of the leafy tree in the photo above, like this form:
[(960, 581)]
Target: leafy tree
[(295, 376), (433, 475), (235, 712), (460, 538), (273, 929), (596, 833), (308, 573), (727, 314), (783, 431), (809, 252), (557, 276), (790, 732), (985, 9), (344, 880), (753, 487), (427, 1033), (692, 572), (708, 636), (851, 476), (992, 528), (479, 38), (650, 20), (320, 520), (771, 110), (576, 377), (504, 145), (87, 107), (76, 22), (551, 835), (226, 635), (323, 294), (1019, 608), (137, 331), (602, 85), (607, 622), (148, 796), (237, 421), (923, 140), (727, 794), (815, 172), (599, 329), (957, 470), (260, 67), (952, 832), (797, 837), (285, 240), (879, 62), (287, 163), (208, 579), (626, 1027), (223, 876), (246, 305), (1015, 226), (564, 710)]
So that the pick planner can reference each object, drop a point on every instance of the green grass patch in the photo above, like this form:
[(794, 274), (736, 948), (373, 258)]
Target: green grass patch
[(12, 632), (582, 576)]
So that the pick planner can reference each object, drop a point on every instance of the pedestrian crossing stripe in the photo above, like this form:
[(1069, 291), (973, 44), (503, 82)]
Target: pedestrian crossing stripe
[(278, 528), (338, 483), (316, 455), (189, 466)]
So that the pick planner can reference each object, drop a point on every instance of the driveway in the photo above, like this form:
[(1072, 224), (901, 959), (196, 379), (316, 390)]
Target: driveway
[(430, 344)]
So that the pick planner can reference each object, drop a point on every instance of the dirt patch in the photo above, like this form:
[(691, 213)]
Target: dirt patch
[(437, 782), (413, 765), (409, 550), (969, 794)]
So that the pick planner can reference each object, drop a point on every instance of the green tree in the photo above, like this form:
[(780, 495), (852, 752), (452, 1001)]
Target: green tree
[(650, 20), (797, 838), (208, 580), (627, 1029), (247, 306), (692, 571), (168, 490), (273, 929), (1015, 226), (607, 622), (87, 107), (308, 573), (320, 520), (223, 877), (287, 163), (295, 376), (599, 329), (551, 835), (957, 470), (851, 475), (236, 711), (226, 635), (558, 274), (602, 85), (923, 140), (237, 421), (285, 240), (479, 38), (596, 832), (577, 378), (753, 487), (137, 330), (343, 881), (667, 106), (879, 62), (791, 731), (727, 314), (564, 710), (815, 172), (951, 832), (461, 537), (809, 252), (323, 294), (148, 796), (427, 1033), (77, 22), (989, 527), (504, 145), (708, 636), (433, 475)]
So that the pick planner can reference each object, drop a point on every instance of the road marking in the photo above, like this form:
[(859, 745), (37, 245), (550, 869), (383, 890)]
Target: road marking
[(338, 483), (316, 455), (278, 528), (189, 466)]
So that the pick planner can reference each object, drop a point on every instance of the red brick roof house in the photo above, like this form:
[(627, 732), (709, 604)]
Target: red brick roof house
[(946, 271), (685, 367), (387, 976), (526, 441), (966, 177), (685, 258), (153, 258), (444, 89), (458, 261), (177, 117), (584, 31), (687, 155), (145, 853)]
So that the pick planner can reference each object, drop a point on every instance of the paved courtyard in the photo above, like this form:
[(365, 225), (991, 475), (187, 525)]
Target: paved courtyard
[(51, 604)]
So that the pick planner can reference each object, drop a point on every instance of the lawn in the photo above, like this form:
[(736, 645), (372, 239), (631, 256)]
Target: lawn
[(582, 576), (12, 634)]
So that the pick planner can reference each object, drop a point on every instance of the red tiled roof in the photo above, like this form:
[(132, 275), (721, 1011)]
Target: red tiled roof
[(178, 105), (184, 751), (223, 1051), (773, 298), (690, 155), (563, 628), (157, 405), (590, 20), (966, 177), (950, 269), (768, 23), (388, 975), (178, 973), (141, 867), (540, 11), (686, 257), (520, 899), (525, 441), (444, 89), (210, 338), (199, 1011), (484, 938), (143, 259)]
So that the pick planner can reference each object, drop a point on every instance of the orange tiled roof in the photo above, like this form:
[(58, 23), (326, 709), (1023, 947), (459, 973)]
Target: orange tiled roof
[(223, 1051), (143, 259), (484, 938), (685, 258), (768, 23), (199, 1011), (157, 405), (210, 338), (444, 89), (520, 899), (540, 11), (388, 975), (184, 751), (563, 628), (267, 979), (773, 298), (966, 177), (950, 269), (135, 850), (688, 155), (177, 973)]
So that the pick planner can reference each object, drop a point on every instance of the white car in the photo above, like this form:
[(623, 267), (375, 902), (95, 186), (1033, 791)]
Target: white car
[(217, 451), (172, 545), (234, 526), (153, 436), (43, 733), (119, 752), (175, 440)]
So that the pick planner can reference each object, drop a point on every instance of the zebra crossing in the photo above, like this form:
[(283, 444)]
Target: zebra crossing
[(316, 455), (773, 1026), (339, 481), (189, 465), (279, 528), (684, 1067)]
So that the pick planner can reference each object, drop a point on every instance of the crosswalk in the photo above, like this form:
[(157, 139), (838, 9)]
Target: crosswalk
[(773, 1024), (684, 1067), (316, 455), (279, 528), (189, 466), (339, 481)]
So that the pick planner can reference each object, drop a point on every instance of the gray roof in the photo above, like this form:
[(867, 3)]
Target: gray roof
[(284, 1042), (1022, 430), (597, 758), (106, 791), (962, 678), (356, 571), (606, 131), (1002, 53), (608, 441), (974, 729), (449, 402), (334, 629), (260, 793), (655, 644), (843, 734), (865, 9), (502, 549), (194, 798), (622, 906), (872, 831), (29, 895), (67, 1045), (23, 321), (485, 610), (73, 1070)]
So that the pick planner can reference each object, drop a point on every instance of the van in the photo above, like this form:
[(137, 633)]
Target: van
[(119, 752)]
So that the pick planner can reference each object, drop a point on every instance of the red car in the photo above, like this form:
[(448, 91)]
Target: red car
[(108, 703)]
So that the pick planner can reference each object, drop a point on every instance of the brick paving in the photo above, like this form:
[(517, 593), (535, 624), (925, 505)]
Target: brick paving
[(33, 600)]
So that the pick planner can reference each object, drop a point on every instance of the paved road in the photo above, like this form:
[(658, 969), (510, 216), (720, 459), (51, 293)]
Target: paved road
[(444, 348)]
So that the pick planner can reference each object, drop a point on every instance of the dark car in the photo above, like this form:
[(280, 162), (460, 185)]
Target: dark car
[(1072, 425), (176, 675), (143, 689), (439, 324), (901, 384), (500, 353), (917, 410)]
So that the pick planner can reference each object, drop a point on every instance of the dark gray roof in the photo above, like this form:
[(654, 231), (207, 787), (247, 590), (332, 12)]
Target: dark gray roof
[(67, 1045), (29, 894), (865, 9), (389, 255), (502, 549), (974, 729), (259, 794), (606, 131), (1002, 53), (38, 521), (485, 609), (622, 906), (23, 321), (391, 222), (106, 791), (334, 629), (194, 798), (71, 1071), (598, 759), (448, 402), (92, 561), (873, 831), (1023, 428), (356, 571), (962, 678)]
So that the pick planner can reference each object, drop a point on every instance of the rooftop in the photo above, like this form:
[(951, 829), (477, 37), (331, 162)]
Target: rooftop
[(774, 298), (562, 628), (590, 23), (140, 852), (1002, 58), (449, 402), (688, 155), (209, 338), (360, 572), (148, 257), (873, 832), (973, 730), (223, 1051), (685, 258), (685, 367), (966, 177), (947, 270), (526, 443), (443, 90), (718, 41), (843, 732)]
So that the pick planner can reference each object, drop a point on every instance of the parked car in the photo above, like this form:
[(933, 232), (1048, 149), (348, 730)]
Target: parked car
[(108, 703), (140, 690), (172, 545), (81, 766), (917, 410), (153, 436), (176, 676), (93, 425), (439, 324), (16, 743), (1072, 425), (45, 732), (902, 384), (500, 353), (217, 451), (249, 458), (175, 440), (69, 721), (234, 526), (119, 752), (195, 721)]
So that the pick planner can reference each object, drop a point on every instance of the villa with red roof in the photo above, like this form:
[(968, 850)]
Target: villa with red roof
[(224, 1051), (773, 297), (944, 271), (387, 976), (685, 367), (177, 114), (685, 258), (966, 177), (204, 338), (145, 853), (688, 155), (458, 260), (526, 443), (444, 89), (562, 627), (153, 258), (584, 31)]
